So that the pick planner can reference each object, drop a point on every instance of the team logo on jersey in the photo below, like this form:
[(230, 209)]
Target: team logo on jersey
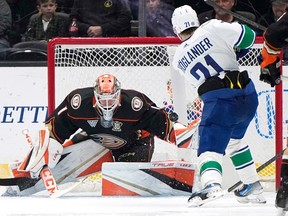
[(108, 3), (108, 141), (117, 126), (92, 123), (76, 101), (136, 104)]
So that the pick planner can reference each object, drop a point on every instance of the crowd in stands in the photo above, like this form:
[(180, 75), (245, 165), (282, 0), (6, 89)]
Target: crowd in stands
[(32, 23)]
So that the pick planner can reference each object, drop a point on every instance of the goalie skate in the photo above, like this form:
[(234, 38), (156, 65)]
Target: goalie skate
[(208, 194), (11, 191), (25, 183), (281, 201), (281, 212), (250, 193)]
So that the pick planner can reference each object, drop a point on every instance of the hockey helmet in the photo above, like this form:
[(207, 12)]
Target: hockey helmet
[(184, 17), (107, 91)]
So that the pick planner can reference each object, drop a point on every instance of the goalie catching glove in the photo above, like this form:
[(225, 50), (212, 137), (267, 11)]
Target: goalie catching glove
[(46, 152)]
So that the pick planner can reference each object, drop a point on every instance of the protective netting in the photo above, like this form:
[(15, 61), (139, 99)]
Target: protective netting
[(112, 57)]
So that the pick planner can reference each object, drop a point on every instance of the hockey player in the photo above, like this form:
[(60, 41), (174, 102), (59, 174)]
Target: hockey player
[(123, 122), (207, 59), (275, 38)]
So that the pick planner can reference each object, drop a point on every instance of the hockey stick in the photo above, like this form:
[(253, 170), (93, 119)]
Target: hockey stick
[(260, 168), (238, 16), (53, 194), (284, 78), (13, 181), (45, 174)]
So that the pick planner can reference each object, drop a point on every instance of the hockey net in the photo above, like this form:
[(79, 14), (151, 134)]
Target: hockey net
[(143, 64)]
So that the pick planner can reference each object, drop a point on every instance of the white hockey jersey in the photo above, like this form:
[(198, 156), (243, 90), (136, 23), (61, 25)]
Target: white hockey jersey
[(210, 50)]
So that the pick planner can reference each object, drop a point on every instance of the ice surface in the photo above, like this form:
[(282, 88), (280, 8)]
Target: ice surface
[(88, 204)]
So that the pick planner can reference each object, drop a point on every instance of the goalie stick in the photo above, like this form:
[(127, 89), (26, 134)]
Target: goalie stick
[(21, 180), (45, 174), (285, 78)]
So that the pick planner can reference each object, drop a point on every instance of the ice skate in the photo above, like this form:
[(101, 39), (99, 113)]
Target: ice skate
[(250, 193), (281, 212), (281, 201), (26, 187), (11, 191), (209, 193)]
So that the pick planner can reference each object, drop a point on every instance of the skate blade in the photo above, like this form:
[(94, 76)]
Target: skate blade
[(197, 201), (257, 199)]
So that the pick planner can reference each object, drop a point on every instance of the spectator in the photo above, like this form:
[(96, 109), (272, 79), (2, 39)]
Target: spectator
[(276, 10), (222, 15), (102, 18), (47, 25), (199, 5), (64, 6), (257, 7), (21, 13), (5, 25), (158, 19)]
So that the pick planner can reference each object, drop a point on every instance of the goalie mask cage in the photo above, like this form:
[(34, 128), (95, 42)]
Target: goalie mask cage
[(143, 64)]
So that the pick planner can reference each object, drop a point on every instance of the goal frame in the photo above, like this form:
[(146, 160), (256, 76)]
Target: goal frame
[(157, 41)]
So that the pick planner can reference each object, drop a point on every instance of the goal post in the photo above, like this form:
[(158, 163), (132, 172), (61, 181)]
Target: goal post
[(143, 64)]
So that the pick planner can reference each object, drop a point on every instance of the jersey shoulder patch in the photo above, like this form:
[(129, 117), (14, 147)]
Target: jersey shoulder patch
[(136, 103), (76, 101), (79, 96)]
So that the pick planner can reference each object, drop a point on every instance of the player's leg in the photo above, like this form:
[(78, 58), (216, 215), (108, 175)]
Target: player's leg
[(251, 189), (214, 134), (241, 156)]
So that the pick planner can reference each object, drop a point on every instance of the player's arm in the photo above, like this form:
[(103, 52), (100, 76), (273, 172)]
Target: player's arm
[(157, 122), (274, 40), (161, 124), (166, 127), (59, 123)]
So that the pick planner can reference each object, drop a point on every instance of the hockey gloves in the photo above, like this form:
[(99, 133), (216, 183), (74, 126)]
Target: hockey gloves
[(271, 73)]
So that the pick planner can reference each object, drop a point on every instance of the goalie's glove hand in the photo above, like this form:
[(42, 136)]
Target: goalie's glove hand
[(271, 73)]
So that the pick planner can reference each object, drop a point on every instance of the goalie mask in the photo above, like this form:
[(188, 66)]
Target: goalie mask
[(107, 94), (184, 17)]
